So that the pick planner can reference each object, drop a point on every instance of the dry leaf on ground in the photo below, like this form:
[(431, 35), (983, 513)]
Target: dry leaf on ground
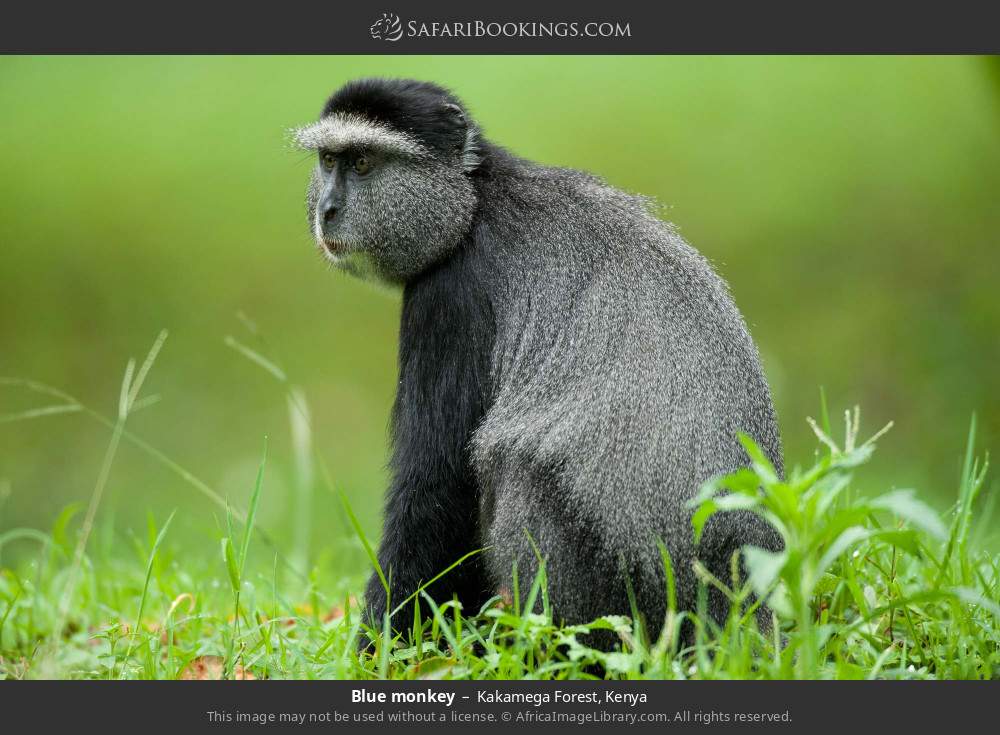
[(211, 668)]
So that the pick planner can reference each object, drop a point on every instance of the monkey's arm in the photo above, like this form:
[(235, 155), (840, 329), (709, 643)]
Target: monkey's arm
[(427, 529), (431, 515)]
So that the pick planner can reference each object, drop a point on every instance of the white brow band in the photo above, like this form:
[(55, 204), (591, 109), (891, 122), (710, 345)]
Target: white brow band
[(340, 131)]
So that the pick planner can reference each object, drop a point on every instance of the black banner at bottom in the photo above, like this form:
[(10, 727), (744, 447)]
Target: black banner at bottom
[(284, 706)]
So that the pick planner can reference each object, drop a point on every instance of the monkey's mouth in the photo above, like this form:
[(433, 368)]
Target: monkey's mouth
[(334, 248)]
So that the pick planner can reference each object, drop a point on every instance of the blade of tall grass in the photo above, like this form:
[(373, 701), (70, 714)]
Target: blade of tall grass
[(237, 567), (188, 477), (145, 592), (372, 557), (102, 481)]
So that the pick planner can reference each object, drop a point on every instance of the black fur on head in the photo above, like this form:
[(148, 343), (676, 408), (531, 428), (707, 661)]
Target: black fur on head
[(392, 192), (428, 112)]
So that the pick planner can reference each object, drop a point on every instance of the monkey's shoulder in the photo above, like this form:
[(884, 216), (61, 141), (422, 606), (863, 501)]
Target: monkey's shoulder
[(571, 218)]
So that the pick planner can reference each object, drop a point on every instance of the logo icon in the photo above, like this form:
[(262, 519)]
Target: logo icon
[(387, 28)]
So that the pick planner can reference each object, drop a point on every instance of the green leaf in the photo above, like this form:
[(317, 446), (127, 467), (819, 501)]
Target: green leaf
[(257, 358), (735, 502), (827, 490), (743, 481), (701, 516), (974, 597), (781, 602), (252, 510), (784, 500), (231, 566), (434, 579), (905, 539), (35, 413), (372, 557), (708, 490), (763, 567), (59, 535), (842, 543), (668, 572), (145, 588), (905, 505), (761, 464), (618, 623), (855, 458)]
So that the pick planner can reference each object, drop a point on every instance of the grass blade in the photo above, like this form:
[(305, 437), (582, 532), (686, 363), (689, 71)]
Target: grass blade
[(145, 588)]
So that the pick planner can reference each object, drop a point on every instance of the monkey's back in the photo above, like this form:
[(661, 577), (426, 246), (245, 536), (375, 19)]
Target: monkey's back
[(622, 372)]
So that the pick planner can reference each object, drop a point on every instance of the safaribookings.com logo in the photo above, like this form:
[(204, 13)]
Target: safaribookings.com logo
[(390, 28), (387, 28)]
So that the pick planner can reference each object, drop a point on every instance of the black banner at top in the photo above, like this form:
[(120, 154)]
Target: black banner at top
[(509, 27)]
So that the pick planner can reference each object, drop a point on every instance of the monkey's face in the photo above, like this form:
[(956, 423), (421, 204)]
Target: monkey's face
[(391, 193), (379, 203), (387, 216)]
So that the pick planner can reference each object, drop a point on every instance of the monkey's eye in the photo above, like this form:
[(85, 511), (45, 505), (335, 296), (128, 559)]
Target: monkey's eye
[(327, 160), (362, 165)]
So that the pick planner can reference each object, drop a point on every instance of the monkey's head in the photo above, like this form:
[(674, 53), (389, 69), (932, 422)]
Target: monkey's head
[(391, 193)]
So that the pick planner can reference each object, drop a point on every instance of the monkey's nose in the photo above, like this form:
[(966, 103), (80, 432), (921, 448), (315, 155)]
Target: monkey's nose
[(329, 214)]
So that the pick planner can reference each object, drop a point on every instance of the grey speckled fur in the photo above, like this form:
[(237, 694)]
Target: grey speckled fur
[(622, 373)]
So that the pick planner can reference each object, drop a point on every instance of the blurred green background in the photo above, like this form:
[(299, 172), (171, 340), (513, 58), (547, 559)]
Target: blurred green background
[(851, 203)]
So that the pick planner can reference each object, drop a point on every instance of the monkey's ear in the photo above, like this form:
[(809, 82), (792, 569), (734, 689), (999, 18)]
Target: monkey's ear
[(469, 147), (456, 112)]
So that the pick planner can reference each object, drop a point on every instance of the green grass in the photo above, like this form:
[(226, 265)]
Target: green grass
[(869, 585)]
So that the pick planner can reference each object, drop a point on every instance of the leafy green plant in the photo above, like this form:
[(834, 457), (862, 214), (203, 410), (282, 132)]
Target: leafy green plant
[(860, 566)]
